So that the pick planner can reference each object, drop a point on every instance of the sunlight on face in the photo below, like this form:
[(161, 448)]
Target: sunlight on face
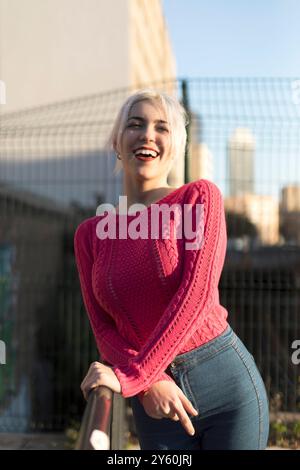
[(146, 129)]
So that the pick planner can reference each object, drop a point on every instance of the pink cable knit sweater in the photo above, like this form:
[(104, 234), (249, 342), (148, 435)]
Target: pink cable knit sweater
[(149, 300)]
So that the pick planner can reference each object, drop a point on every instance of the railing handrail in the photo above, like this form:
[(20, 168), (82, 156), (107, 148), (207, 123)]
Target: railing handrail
[(95, 428)]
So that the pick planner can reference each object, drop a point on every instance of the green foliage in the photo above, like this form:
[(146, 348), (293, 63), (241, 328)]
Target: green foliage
[(285, 434), (296, 429), (72, 434)]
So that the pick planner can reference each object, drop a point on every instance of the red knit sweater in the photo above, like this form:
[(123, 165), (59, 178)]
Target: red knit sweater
[(149, 300)]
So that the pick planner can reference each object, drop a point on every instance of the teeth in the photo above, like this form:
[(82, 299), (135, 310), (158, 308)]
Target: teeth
[(145, 152)]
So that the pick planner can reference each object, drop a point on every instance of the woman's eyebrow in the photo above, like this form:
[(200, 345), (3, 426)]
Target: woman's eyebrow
[(142, 119)]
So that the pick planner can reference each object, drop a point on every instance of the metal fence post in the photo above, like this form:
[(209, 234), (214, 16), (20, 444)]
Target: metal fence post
[(118, 423), (185, 103)]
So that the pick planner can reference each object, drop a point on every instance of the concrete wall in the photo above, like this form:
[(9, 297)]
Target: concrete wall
[(151, 56), (52, 50), (58, 49)]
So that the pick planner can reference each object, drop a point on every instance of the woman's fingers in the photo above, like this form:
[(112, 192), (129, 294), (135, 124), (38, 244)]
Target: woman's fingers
[(171, 414), (90, 385), (167, 400), (178, 413), (92, 379), (174, 417), (184, 407), (188, 405), (185, 420)]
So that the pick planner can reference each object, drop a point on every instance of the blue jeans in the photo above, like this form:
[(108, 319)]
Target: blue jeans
[(222, 382)]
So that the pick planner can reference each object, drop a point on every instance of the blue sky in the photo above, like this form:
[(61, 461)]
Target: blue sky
[(235, 37), (242, 38)]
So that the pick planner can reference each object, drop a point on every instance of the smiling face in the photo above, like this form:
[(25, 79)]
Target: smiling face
[(146, 142)]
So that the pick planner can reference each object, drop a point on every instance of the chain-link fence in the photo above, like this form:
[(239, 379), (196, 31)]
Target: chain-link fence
[(54, 171)]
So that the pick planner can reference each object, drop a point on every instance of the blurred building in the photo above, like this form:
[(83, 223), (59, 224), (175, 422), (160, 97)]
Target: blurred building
[(53, 50), (201, 161), (290, 198), (262, 211), (71, 64), (240, 161), (151, 57), (200, 157), (290, 213)]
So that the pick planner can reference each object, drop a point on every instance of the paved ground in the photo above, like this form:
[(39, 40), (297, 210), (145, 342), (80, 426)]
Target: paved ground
[(11, 441)]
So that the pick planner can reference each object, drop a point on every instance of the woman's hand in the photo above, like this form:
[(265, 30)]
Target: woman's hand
[(166, 400), (99, 374)]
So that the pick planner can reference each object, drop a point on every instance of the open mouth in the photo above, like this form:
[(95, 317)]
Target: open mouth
[(146, 154)]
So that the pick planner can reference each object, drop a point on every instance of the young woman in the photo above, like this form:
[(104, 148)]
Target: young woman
[(152, 296)]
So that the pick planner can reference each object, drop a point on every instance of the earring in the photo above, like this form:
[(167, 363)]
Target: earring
[(118, 157)]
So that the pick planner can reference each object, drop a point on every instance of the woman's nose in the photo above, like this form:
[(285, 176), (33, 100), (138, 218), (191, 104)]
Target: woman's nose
[(147, 134)]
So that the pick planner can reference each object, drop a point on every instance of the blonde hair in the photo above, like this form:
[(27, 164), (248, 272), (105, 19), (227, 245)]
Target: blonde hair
[(176, 117)]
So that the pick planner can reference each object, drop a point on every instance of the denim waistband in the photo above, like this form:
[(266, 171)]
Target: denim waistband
[(206, 350)]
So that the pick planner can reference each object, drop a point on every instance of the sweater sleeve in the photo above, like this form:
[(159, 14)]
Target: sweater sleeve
[(193, 300), (111, 345)]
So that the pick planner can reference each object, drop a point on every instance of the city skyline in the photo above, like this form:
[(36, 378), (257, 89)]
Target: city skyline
[(214, 41), (265, 106)]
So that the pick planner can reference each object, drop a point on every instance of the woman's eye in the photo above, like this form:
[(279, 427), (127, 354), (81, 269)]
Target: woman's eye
[(134, 125), (139, 126)]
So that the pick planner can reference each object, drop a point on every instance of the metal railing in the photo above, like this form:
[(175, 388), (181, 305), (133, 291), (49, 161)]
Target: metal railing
[(102, 426)]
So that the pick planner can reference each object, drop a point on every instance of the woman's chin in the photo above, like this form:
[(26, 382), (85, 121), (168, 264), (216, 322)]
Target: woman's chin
[(145, 173)]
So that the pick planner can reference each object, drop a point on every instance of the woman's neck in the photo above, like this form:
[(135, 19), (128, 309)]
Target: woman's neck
[(145, 192)]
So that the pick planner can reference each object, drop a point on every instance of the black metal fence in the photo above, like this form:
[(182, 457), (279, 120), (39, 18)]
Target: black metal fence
[(55, 170)]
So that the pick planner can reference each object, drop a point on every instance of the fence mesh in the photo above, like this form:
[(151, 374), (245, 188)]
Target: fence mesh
[(54, 171)]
